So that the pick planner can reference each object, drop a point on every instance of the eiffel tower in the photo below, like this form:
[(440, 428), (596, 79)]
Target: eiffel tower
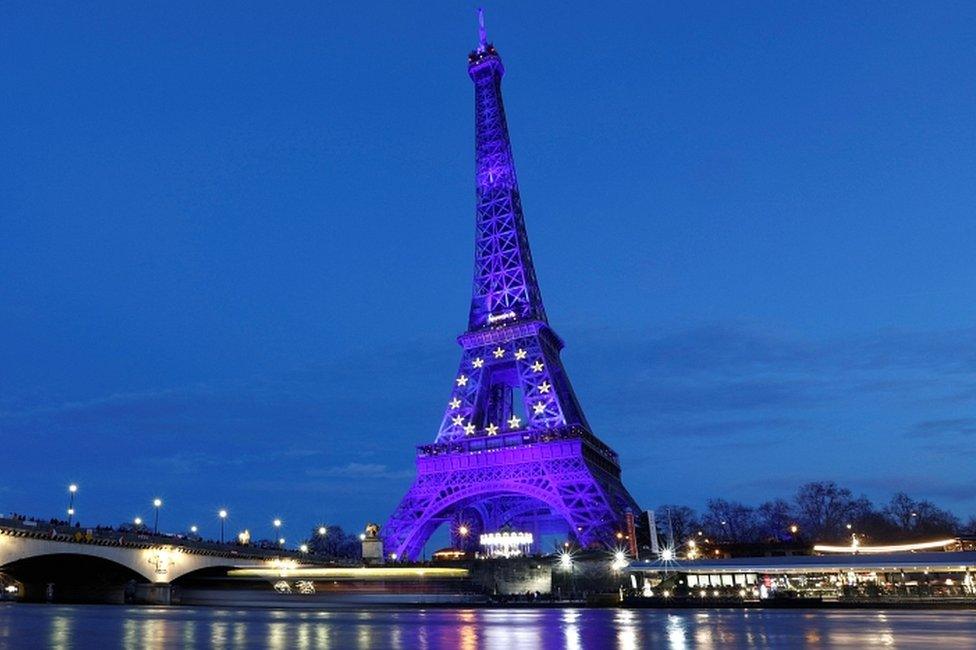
[(514, 448)]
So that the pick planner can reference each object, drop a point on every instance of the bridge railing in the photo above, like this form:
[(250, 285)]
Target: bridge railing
[(104, 536)]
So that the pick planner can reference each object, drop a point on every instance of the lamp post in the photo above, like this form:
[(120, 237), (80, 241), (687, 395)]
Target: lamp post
[(71, 501), (223, 515), (138, 522), (157, 503), (277, 531)]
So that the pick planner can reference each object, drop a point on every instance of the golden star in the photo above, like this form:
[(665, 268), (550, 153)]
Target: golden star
[(520, 354), (539, 407), (457, 420), (492, 430), (468, 429), (544, 387), (455, 403), (462, 380), (514, 422), (498, 352), (478, 362), (537, 366)]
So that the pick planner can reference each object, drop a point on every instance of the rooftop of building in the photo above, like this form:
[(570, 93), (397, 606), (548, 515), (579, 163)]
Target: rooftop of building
[(931, 561)]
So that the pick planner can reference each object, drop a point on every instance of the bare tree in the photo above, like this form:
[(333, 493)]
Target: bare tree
[(773, 521), (825, 509), (729, 521), (684, 522)]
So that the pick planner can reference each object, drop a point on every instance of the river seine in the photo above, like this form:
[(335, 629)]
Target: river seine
[(106, 626)]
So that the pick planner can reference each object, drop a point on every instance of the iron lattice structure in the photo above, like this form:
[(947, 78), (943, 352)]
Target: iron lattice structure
[(514, 448)]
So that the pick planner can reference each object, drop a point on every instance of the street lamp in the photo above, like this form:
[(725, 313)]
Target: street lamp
[(323, 530), (157, 503), (71, 501), (193, 529), (277, 526), (137, 521), (223, 515), (303, 548)]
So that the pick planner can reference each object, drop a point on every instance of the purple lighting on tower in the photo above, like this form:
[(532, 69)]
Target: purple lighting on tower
[(513, 447)]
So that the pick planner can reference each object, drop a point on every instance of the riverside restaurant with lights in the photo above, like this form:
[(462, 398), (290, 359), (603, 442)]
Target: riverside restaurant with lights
[(896, 574)]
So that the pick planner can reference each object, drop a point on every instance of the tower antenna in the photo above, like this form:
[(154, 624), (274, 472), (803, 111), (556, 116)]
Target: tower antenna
[(482, 34)]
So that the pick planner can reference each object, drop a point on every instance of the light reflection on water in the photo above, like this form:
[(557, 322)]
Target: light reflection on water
[(471, 629)]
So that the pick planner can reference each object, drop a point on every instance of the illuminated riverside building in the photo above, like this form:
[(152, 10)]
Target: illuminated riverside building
[(837, 573), (514, 448)]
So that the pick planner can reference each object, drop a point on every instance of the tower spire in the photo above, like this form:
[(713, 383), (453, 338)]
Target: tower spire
[(482, 34)]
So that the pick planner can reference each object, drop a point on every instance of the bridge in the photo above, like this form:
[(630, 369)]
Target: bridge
[(61, 563)]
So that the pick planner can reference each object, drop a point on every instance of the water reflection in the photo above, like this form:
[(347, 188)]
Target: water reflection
[(471, 629), (571, 631), (60, 636), (677, 634)]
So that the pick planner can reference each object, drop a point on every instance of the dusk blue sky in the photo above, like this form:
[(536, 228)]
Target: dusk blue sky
[(236, 245)]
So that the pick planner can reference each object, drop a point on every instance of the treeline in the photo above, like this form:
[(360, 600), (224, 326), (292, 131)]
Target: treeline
[(818, 512), (335, 544)]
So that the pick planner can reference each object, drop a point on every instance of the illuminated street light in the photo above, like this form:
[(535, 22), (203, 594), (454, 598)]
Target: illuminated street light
[(281, 541), (193, 529), (137, 521), (71, 501), (362, 537), (463, 530), (223, 515), (619, 561), (303, 548), (323, 530), (794, 528), (566, 561), (157, 502)]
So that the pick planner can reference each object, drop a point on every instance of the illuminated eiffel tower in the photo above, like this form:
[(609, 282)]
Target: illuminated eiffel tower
[(514, 448)]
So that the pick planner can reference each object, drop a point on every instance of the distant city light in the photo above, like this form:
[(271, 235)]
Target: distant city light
[(667, 555)]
